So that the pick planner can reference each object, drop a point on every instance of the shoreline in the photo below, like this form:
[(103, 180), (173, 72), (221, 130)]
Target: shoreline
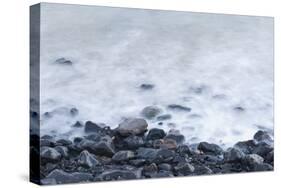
[(132, 151)]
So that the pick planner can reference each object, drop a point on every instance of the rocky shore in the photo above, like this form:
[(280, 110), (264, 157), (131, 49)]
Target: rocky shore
[(132, 151)]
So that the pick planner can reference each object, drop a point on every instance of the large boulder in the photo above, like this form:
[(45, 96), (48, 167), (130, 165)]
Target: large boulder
[(132, 126)]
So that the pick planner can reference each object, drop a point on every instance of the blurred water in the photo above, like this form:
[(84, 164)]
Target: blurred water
[(211, 63)]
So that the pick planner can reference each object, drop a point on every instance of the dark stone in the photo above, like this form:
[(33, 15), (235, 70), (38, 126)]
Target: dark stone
[(262, 167), (168, 144), (48, 154), (63, 151), (133, 142), (91, 127), (87, 160), (246, 147), (263, 136), (239, 109), (132, 126), (155, 133), (47, 142), (233, 155), (74, 111), (147, 86), (162, 174), (137, 162), (175, 135), (148, 170), (208, 148), (269, 158), (94, 137), (165, 167), (47, 137), (177, 107), (262, 149), (251, 160), (77, 140), (164, 155), (202, 170), (63, 142), (104, 148), (146, 153), (183, 150), (78, 124), (184, 169), (109, 175), (63, 177), (164, 117), (63, 61), (123, 156), (150, 112)]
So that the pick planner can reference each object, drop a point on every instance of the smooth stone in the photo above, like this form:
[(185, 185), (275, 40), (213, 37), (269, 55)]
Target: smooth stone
[(165, 167), (87, 160), (105, 148), (262, 149), (91, 127), (109, 175), (133, 142), (61, 177), (233, 155), (169, 144), (246, 147), (252, 159), (63, 142), (63, 151), (155, 133), (48, 154), (263, 136), (150, 112), (94, 137), (184, 169), (183, 150), (132, 126), (123, 156), (210, 148), (146, 153), (175, 135), (164, 117), (177, 107)]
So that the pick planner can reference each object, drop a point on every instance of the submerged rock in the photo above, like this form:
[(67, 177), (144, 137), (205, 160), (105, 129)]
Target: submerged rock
[(91, 127), (132, 126), (74, 111), (78, 124), (150, 112), (178, 107), (147, 86), (63, 61), (164, 117)]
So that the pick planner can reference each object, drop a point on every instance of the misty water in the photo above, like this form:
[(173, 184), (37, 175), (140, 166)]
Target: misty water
[(220, 66)]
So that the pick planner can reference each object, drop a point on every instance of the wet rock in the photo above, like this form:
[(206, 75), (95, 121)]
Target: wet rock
[(183, 150), (47, 142), (137, 162), (164, 117), (175, 135), (109, 175), (74, 111), (133, 142), (165, 167), (91, 127), (77, 124), (177, 107), (263, 136), (262, 167), (252, 160), (147, 86), (63, 151), (168, 144), (63, 177), (63, 142), (208, 148), (162, 174), (155, 133), (132, 126), (63, 61), (239, 109), (202, 170), (94, 137), (123, 156), (233, 155), (184, 169), (150, 169), (105, 148), (77, 140), (146, 153), (269, 157), (48, 154), (150, 112), (47, 137), (87, 160), (246, 147), (163, 156), (262, 149)]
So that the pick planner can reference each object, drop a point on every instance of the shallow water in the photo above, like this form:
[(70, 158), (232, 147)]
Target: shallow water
[(221, 66)]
